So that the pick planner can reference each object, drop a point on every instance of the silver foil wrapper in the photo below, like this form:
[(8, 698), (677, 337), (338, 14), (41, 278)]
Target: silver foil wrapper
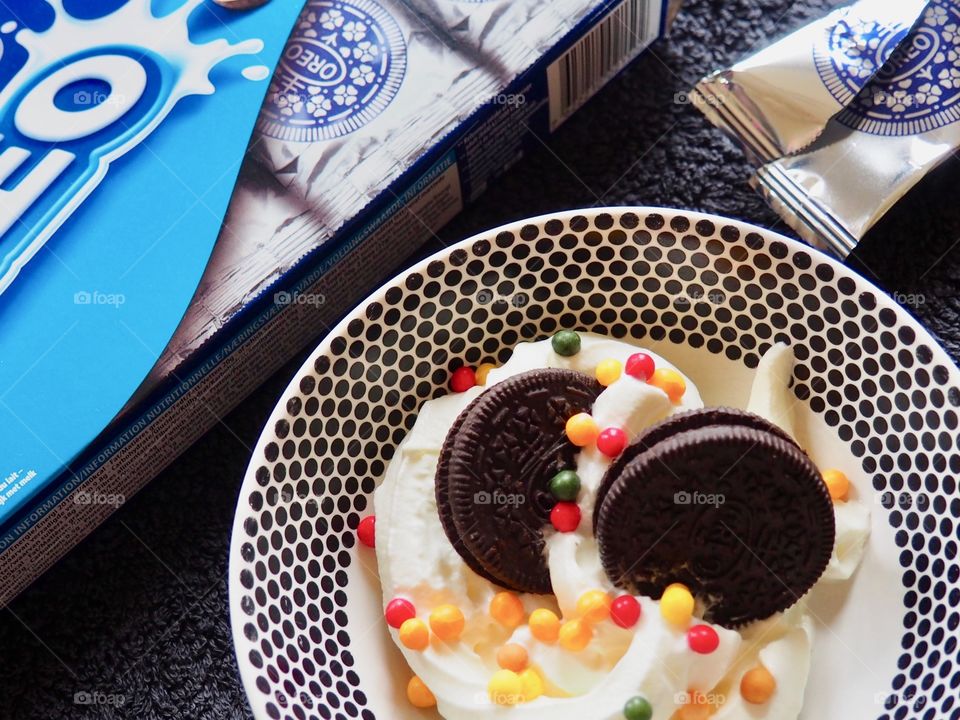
[(847, 114)]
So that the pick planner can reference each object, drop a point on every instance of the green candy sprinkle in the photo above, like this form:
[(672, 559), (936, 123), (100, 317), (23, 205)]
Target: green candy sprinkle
[(566, 343), (565, 485), (637, 708)]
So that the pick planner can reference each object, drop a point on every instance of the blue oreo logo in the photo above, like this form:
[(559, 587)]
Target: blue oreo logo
[(342, 66), (915, 90)]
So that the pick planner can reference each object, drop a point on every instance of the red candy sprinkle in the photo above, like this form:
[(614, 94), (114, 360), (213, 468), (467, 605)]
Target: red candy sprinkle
[(366, 531), (611, 441), (462, 379), (625, 611), (640, 366), (702, 639), (398, 612), (565, 516)]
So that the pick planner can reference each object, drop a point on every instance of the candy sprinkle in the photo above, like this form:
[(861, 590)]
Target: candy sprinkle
[(637, 708), (447, 622), (414, 634), (566, 343), (544, 625), (419, 694), (837, 484), (640, 366), (612, 441), (512, 656), (482, 371), (565, 485), (608, 372), (506, 609), (366, 531), (625, 611), (757, 685), (676, 604), (462, 379), (575, 635), (398, 612), (594, 606), (582, 429), (671, 382), (565, 516), (703, 639), (532, 684), (505, 688)]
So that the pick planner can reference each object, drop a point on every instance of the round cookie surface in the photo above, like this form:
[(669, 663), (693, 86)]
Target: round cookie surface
[(690, 420), (739, 515), (501, 460)]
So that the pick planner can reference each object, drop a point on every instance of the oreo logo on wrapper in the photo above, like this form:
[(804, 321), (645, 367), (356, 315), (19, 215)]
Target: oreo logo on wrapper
[(343, 65), (915, 91)]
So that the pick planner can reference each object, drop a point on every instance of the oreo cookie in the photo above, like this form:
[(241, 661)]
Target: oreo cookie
[(690, 420), (738, 514), (493, 478)]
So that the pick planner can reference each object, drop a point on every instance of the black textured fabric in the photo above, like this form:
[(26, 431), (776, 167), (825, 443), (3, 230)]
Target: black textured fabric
[(139, 610)]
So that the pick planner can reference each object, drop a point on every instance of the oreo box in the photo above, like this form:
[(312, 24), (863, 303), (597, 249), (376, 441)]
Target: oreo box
[(191, 194)]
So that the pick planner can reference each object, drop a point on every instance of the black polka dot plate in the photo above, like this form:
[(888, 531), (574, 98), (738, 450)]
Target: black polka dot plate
[(875, 392)]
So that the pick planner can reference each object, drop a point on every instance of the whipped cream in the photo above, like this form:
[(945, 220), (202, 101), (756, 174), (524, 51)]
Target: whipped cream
[(416, 561)]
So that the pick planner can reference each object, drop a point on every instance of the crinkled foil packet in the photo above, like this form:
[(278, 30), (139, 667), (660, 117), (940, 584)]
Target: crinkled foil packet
[(844, 116)]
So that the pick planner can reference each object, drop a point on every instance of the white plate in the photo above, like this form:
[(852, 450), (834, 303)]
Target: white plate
[(877, 393)]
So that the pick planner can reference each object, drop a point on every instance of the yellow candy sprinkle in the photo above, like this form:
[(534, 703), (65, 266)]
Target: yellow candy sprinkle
[(582, 430), (594, 606), (414, 634), (447, 622), (671, 382), (608, 372), (676, 605), (482, 371), (512, 657), (575, 635), (532, 684), (419, 694), (544, 625), (506, 609), (757, 685), (837, 483), (505, 688)]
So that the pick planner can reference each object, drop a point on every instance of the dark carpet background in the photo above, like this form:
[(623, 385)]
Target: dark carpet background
[(140, 608)]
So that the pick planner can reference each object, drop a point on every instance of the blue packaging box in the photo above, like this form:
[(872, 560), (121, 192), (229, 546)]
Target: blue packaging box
[(190, 194)]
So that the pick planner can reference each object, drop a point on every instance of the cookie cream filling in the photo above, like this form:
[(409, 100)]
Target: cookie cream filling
[(651, 659)]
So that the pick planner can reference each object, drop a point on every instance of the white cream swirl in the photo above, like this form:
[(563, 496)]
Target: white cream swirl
[(417, 562)]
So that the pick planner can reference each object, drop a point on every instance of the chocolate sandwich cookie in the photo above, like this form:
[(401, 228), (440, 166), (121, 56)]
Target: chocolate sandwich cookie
[(690, 420), (498, 460), (442, 491), (739, 515)]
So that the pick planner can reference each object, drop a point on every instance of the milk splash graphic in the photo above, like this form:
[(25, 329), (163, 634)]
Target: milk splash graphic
[(57, 156)]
